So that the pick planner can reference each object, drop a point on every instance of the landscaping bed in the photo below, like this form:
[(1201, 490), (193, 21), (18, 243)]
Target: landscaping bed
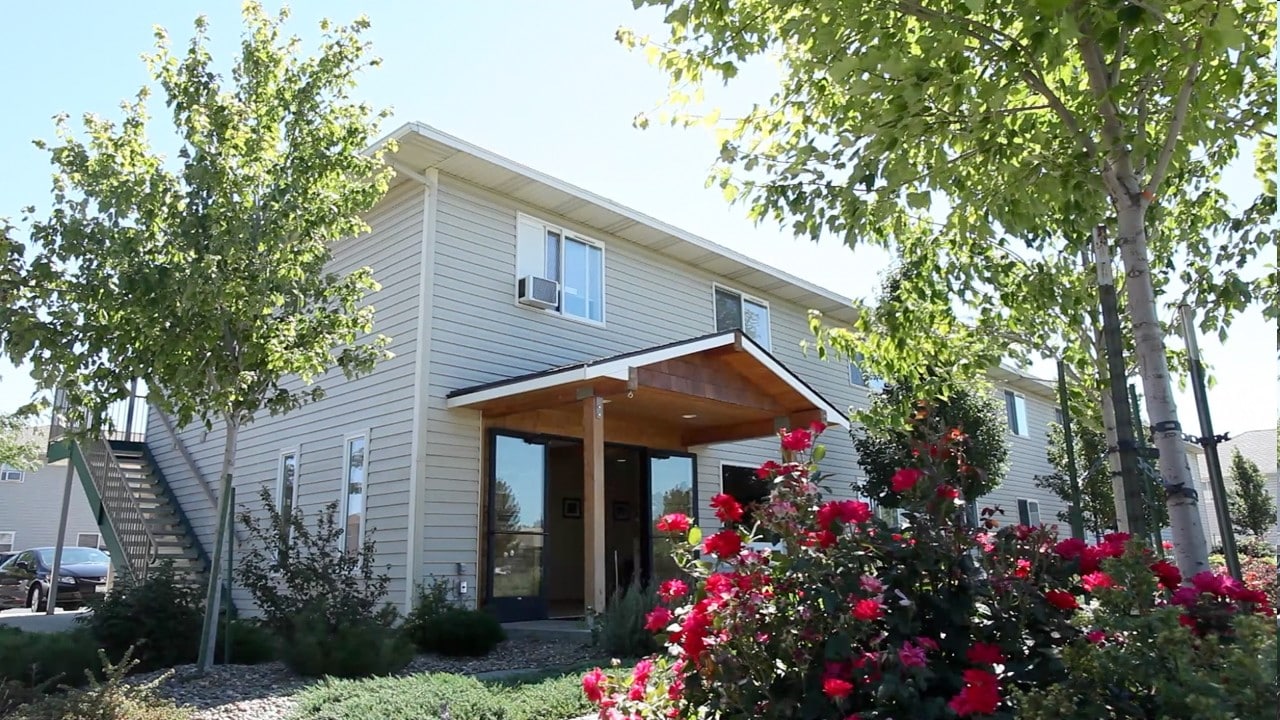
[(270, 691)]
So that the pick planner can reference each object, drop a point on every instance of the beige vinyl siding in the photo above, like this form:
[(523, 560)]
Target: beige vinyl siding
[(479, 334), (380, 403), (31, 509), (1027, 459)]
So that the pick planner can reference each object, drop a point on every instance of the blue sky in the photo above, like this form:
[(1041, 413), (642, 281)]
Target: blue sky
[(543, 83)]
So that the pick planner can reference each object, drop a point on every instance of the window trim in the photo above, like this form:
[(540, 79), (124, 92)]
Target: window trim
[(1029, 502), (1025, 419), (872, 385), (580, 237), (742, 299), (97, 546), (13, 539), (6, 470), (343, 495)]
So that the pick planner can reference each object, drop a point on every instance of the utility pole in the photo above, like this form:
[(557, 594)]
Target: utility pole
[(1077, 511), (1128, 486), (1209, 442)]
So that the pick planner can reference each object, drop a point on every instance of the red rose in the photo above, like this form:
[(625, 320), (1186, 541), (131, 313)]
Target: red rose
[(817, 427), (592, 685), (768, 470), (1168, 574), (837, 689), (905, 479), (724, 544), (796, 440), (1095, 636), (948, 492), (846, 511), (1119, 538), (671, 589), (1061, 599), (984, 654), (720, 584), (675, 522), (1245, 595), (1207, 582), (867, 610), (1095, 580), (728, 509), (980, 695), (1070, 548), (658, 619), (820, 539)]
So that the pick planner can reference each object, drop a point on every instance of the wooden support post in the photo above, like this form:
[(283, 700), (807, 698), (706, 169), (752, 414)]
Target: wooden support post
[(593, 503)]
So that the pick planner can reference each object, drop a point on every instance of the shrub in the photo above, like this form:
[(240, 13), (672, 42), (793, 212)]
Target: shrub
[(620, 630), (459, 632), (251, 644), (30, 660), (442, 696), (328, 607), (160, 615), (433, 599), (853, 618), (360, 648), (113, 699)]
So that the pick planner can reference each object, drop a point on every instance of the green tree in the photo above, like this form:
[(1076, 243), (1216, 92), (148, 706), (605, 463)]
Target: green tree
[(209, 276), (983, 142), (1253, 509), (18, 449), (1096, 494)]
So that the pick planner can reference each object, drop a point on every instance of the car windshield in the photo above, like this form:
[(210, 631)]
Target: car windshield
[(75, 556)]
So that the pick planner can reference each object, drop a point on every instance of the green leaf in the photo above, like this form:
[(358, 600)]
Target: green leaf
[(695, 536)]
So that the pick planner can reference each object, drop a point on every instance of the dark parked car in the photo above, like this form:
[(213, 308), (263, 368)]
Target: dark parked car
[(24, 578)]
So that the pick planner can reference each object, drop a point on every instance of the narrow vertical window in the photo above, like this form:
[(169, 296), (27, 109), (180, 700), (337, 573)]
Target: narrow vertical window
[(355, 503)]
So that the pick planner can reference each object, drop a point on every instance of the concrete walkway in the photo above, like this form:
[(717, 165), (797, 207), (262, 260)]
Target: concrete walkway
[(23, 619)]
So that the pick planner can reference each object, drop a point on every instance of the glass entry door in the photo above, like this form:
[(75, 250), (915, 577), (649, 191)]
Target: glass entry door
[(671, 490), (517, 528)]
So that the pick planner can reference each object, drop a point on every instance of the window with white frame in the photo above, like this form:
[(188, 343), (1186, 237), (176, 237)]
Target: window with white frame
[(1057, 416), (287, 493), (857, 376), (1015, 407), (577, 263), (1028, 512), (90, 540), (7, 539), (11, 474), (354, 490), (736, 311)]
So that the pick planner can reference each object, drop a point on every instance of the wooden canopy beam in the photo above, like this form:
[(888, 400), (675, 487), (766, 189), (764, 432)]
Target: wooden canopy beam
[(751, 429), (681, 377)]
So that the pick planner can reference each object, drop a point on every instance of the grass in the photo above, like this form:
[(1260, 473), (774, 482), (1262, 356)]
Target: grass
[(540, 695)]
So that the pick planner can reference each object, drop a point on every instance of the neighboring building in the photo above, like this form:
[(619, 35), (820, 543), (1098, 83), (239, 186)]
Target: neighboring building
[(1256, 445), (31, 503), (566, 369)]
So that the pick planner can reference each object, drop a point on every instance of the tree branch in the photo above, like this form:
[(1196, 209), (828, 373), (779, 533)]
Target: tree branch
[(1112, 127), (988, 35), (1175, 125)]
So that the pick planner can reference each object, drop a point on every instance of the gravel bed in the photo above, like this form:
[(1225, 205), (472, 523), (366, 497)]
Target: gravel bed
[(264, 692)]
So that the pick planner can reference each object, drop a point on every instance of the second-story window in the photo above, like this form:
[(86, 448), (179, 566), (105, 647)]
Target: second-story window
[(575, 262), (1015, 407), (735, 311)]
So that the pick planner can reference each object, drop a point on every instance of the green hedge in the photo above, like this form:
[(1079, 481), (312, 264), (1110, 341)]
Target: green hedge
[(437, 696)]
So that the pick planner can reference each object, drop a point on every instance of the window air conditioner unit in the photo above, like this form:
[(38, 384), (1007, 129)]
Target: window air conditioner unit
[(538, 292)]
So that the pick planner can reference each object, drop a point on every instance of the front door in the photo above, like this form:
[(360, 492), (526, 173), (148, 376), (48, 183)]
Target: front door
[(670, 489)]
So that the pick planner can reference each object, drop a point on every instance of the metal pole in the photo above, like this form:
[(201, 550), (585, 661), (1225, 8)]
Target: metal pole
[(1130, 517), (62, 531), (1077, 510), (231, 547), (1209, 442)]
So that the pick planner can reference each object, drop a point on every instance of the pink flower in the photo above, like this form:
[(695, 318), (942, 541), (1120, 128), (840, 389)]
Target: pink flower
[(593, 685), (846, 511), (1022, 568), (1207, 582), (671, 589), (984, 654), (1096, 580), (720, 584), (905, 479), (817, 427), (927, 643), (1061, 599), (912, 656), (871, 584), (867, 610), (836, 689), (1070, 548), (1186, 596), (1095, 636), (1166, 545), (980, 696), (821, 539), (675, 522), (796, 440), (1118, 538), (727, 508), (642, 671), (657, 619)]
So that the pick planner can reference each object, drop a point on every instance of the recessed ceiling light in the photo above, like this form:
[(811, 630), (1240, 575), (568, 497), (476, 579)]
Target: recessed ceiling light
[(689, 416)]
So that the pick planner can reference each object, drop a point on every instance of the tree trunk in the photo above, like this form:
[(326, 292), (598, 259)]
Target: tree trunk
[(1190, 548), (209, 637)]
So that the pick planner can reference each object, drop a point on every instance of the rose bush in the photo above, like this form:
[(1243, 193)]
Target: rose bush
[(852, 619)]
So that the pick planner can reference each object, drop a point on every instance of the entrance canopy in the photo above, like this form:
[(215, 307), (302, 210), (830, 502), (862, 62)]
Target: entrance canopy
[(710, 389)]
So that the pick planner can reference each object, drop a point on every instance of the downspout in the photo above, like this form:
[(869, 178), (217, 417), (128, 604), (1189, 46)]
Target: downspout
[(421, 377)]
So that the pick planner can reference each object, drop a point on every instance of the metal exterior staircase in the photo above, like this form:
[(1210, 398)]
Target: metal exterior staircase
[(142, 524)]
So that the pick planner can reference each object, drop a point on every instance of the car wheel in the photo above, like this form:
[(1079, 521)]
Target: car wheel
[(35, 599)]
